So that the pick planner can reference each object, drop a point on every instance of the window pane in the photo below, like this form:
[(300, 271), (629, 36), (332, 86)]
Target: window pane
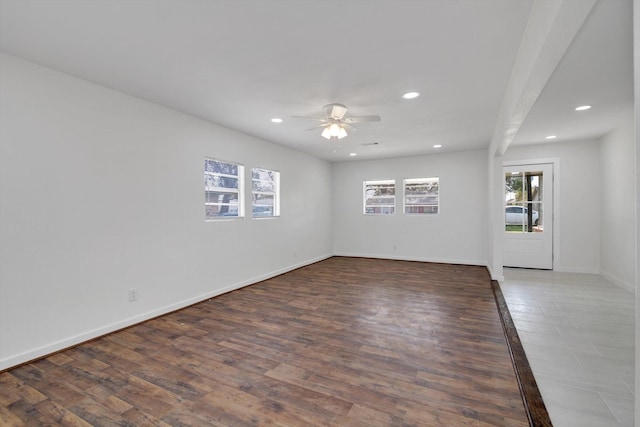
[(421, 209), (380, 210), (216, 166), (268, 186), (262, 211), (513, 218), (217, 181), (221, 197), (514, 191), (265, 188), (517, 228), (536, 216), (221, 210), (532, 186), (264, 199), (263, 174)]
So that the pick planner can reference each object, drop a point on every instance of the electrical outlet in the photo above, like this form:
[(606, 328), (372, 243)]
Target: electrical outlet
[(133, 294)]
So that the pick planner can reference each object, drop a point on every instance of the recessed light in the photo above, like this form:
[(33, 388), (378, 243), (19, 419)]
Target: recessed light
[(411, 95), (276, 120), (353, 154), (583, 107), (551, 137), (437, 146)]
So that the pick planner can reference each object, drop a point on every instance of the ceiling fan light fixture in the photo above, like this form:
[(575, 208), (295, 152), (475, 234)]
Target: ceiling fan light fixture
[(341, 132), (334, 130)]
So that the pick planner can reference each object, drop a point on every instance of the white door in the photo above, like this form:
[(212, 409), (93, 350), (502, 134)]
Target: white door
[(528, 216)]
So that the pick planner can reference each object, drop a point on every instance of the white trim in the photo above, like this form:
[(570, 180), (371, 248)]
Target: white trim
[(577, 270), (43, 351)]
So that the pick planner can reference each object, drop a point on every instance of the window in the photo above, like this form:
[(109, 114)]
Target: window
[(421, 196), (379, 197), (265, 193), (523, 211), (222, 189)]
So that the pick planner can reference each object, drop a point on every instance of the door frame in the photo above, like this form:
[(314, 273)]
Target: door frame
[(555, 161)]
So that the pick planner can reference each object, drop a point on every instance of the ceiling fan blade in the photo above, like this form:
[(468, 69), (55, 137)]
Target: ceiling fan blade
[(361, 119), (324, 125), (336, 111), (320, 119), (348, 127)]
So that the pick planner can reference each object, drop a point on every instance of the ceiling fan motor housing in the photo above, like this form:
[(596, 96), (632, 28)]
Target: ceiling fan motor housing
[(336, 111)]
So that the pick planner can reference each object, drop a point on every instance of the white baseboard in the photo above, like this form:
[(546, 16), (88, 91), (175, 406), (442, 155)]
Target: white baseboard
[(576, 270), (498, 278), (43, 351), (618, 281)]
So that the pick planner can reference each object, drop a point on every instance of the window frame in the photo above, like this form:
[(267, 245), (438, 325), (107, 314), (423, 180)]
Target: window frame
[(275, 193), (382, 206), (427, 207), (239, 191)]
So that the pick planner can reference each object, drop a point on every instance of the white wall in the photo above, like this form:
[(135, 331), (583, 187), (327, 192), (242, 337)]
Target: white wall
[(456, 235), (495, 224), (101, 192), (578, 224), (617, 204)]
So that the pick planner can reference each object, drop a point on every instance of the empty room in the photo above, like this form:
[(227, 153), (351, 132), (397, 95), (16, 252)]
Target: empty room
[(329, 213)]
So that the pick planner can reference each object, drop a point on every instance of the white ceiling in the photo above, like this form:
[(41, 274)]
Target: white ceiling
[(239, 63), (597, 70)]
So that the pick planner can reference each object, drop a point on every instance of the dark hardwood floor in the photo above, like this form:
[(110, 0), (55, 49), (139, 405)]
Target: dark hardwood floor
[(344, 342)]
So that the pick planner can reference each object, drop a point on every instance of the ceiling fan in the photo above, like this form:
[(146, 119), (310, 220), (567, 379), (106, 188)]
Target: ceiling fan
[(335, 123)]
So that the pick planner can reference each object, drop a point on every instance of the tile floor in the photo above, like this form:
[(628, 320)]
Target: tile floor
[(578, 331)]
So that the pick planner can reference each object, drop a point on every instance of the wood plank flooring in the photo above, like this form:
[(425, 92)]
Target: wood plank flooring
[(343, 342)]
